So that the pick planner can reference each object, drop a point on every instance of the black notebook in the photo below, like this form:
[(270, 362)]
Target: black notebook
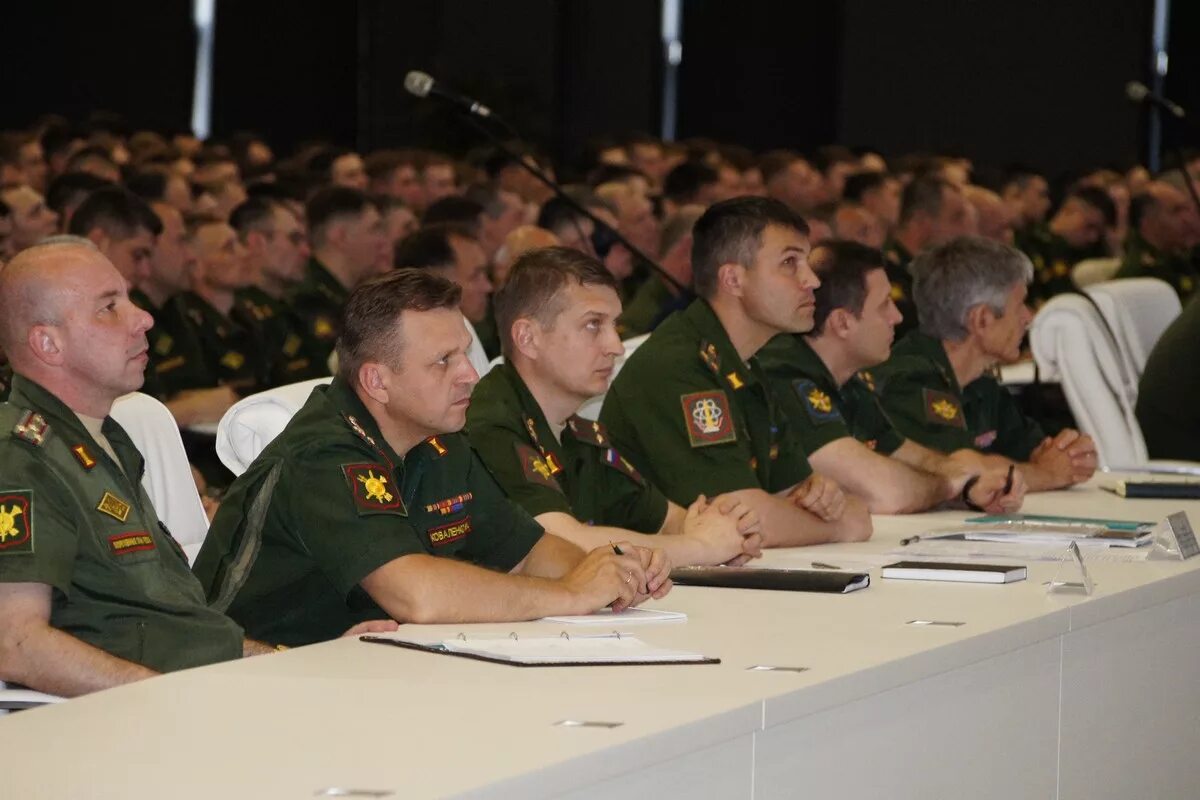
[(1155, 488), (786, 580)]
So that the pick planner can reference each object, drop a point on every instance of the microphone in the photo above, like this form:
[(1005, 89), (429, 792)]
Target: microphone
[(422, 84), (1138, 92)]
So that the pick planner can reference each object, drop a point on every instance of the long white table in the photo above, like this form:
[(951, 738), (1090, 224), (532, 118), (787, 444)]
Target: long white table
[(1034, 696)]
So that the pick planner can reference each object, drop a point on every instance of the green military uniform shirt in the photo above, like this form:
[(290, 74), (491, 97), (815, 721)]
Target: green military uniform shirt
[(1053, 259), (315, 307), (649, 306), (230, 352), (695, 419), (328, 502), (176, 360), (6, 377), (897, 260), (821, 410), (1142, 260), (1167, 405), (921, 396), (266, 319), (583, 475), (75, 520)]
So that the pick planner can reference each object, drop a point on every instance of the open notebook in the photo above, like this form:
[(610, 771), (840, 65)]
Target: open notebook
[(562, 650)]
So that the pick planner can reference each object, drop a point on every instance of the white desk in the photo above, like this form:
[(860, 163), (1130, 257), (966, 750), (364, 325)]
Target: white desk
[(1035, 696)]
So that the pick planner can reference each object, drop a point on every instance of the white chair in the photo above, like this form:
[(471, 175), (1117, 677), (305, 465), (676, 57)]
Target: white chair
[(1094, 270), (168, 477), (591, 409), (253, 422), (1071, 344), (1138, 310)]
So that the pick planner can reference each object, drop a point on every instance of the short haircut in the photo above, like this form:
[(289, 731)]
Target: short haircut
[(775, 162), (321, 163), (860, 183), (923, 194), (731, 232), (253, 214), (684, 182), (1020, 177), (90, 153), (843, 278), (429, 247), (116, 211), (332, 204), (558, 215), (453, 208), (382, 163), (1097, 199), (71, 188), (369, 319), (534, 285), (951, 279)]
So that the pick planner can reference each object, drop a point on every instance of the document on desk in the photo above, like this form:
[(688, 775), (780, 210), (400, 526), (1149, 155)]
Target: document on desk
[(1016, 551), (630, 616), (1047, 534), (562, 650)]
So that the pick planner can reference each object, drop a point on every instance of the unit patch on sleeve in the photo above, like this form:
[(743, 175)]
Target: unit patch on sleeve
[(535, 468), (373, 489), (942, 408), (817, 403), (16, 522), (707, 419)]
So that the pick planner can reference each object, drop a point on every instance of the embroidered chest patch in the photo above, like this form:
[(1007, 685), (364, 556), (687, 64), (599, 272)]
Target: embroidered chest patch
[(943, 408), (133, 542), (16, 522), (114, 507), (707, 418)]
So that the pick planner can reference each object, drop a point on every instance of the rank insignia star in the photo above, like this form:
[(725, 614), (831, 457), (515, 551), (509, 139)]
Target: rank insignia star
[(322, 327)]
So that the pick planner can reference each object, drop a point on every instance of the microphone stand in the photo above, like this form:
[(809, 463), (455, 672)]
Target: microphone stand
[(543, 178)]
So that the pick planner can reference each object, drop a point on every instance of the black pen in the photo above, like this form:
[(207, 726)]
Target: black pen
[(1009, 481), (909, 540), (616, 549)]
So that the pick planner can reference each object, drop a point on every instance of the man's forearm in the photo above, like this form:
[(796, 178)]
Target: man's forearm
[(48, 660), (786, 525), (427, 589), (888, 485), (678, 548)]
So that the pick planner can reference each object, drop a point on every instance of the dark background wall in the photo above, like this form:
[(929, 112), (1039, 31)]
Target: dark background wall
[(1023, 81)]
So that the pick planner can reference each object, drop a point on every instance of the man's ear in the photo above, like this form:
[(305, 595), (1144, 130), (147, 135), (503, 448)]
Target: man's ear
[(375, 380), (980, 317), (45, 343), (526, 337), (99, 238), (838, 323), (732, 278), (335, 233)]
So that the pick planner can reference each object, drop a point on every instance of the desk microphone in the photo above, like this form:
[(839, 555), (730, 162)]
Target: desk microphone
[(1138, 92), (422, 84)]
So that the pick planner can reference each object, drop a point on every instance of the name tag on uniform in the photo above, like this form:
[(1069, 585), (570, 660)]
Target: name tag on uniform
[(452, 532), (133, 542)]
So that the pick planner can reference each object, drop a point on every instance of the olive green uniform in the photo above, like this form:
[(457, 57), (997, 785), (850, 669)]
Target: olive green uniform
[(328, 502), (6, 377), (266, 319), (230, 352), (583, 475), (896, 261), (315, 307), (1053, 259), (921, 395), (820, 410), (649, 306), (176, 360), (1167, 406), (75, 520), (696, 419), (1142, 260)]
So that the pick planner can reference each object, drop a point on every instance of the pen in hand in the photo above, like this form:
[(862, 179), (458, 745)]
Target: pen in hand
[(1009, 482), (909, 540), (616, 549)]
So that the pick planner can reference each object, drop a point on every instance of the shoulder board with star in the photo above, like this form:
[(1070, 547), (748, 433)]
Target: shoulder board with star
[(867, 379), (32, 427), (621, 464), (709, 357), (358, 429), (587, 431)]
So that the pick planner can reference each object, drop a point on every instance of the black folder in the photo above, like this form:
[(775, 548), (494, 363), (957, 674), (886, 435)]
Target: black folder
[(784, 580)]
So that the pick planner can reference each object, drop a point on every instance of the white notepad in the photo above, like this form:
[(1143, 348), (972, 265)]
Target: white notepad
[(563, 650)]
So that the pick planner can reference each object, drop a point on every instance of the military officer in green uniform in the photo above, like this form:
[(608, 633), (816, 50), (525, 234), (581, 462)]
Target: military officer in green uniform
[(1162, 235), (932, 210), (1166, 403), (558, 310), (92, 585), (276, 254), (692, 410), (824, 383), (349, 243), (971, 295), (657, 298), (370, 505), (1075, 232)]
